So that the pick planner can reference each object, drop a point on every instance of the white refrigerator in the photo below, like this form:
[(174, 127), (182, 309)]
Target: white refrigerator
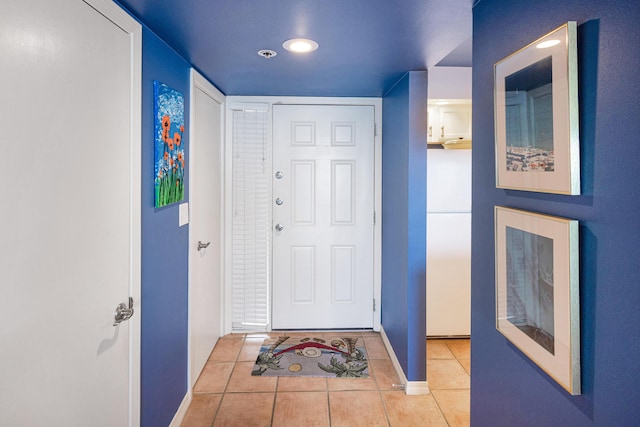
[(448, 242)]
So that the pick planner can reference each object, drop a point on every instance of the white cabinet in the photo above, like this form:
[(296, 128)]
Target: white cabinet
[(449, 121)]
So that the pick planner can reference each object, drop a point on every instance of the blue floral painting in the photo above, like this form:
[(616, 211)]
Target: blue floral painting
[(169, 149)]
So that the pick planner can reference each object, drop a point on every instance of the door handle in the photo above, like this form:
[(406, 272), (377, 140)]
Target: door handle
[(279, 227), (123, 313), (203, 245)]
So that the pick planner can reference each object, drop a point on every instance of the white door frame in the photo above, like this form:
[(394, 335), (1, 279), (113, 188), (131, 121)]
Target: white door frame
[(198, 82), (122, 19), (377, 244)]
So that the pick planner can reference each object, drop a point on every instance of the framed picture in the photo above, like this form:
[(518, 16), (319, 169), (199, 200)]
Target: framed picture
[(169, 149), (536, 115), (537, 290)]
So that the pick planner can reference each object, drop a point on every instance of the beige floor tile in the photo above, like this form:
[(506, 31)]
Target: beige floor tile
[(202, 410), (461, 348), (437, 349), (214, 378), (454, 404), (466, 364), (242, 381), (356, 408), (408, 411), (309, 409), (245, 409), (227, 349), (336, 384), (302, 384), (250, 401), (375, 348), (384, 373), (446, 374), (250, 349), (236, 336)]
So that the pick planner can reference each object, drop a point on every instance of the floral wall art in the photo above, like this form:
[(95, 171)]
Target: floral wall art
[(169, 150)]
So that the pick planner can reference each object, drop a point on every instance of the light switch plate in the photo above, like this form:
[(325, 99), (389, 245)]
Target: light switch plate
[(183, 214)]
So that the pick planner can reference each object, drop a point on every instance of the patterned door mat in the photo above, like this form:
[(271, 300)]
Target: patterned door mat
[(339, 357)]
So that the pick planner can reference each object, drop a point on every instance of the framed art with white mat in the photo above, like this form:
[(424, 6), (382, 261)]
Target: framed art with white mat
[(536, 115), (537, 290)]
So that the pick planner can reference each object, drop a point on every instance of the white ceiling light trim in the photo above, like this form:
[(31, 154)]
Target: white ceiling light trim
[(300, 45)]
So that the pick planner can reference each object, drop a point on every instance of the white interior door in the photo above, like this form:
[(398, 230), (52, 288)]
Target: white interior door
[(205, 241), (323, 190), (70, 224)]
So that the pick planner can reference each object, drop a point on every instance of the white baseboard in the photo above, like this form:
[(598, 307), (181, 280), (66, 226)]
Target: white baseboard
[(182, 410), (410, 387)]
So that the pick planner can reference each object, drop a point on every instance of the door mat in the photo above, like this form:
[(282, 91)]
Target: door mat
[(340, 357)]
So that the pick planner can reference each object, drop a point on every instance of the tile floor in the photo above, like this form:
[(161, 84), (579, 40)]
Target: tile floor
[(227, 395)]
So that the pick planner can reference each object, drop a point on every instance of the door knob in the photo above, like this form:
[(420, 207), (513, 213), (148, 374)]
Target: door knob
[(279, 201), (123, 313), (279, 227), (279, 175)]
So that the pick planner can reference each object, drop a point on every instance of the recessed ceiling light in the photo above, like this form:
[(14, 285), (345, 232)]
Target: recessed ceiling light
[(547, 43), (300, 45)]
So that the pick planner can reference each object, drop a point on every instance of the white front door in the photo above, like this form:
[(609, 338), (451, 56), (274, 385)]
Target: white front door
[(70, 228), (323, 215), (205, 238)]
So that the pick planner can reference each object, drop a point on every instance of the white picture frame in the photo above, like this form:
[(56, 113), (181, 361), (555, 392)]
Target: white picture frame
[(536, 115), (537, 290)]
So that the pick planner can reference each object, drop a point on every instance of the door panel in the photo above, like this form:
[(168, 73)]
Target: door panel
[(323, 253), (70, 237), (205, 222)]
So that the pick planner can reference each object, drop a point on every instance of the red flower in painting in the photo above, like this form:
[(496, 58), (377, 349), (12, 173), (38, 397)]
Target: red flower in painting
[(181, 128), (166, 155), (170, 143), (177, 138), (166, 124)]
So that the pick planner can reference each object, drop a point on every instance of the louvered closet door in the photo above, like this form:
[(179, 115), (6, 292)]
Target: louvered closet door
[(251, 223), (323, 176)]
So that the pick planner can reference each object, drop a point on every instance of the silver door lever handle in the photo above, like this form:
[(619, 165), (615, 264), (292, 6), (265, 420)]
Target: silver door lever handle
[(203, 245), (123, 313)]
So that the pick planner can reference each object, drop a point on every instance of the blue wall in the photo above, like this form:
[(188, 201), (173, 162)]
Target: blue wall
[(507, 388), (165, 258), (404, 221)]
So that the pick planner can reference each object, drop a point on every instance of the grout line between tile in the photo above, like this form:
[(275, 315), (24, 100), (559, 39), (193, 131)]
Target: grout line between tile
[(384, 405), (275, 399), (328, 404)]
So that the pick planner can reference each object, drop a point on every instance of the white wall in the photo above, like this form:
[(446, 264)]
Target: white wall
[(449, 83)]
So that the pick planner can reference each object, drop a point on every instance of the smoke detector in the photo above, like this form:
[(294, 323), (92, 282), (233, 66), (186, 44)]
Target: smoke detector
[(267, 53)]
